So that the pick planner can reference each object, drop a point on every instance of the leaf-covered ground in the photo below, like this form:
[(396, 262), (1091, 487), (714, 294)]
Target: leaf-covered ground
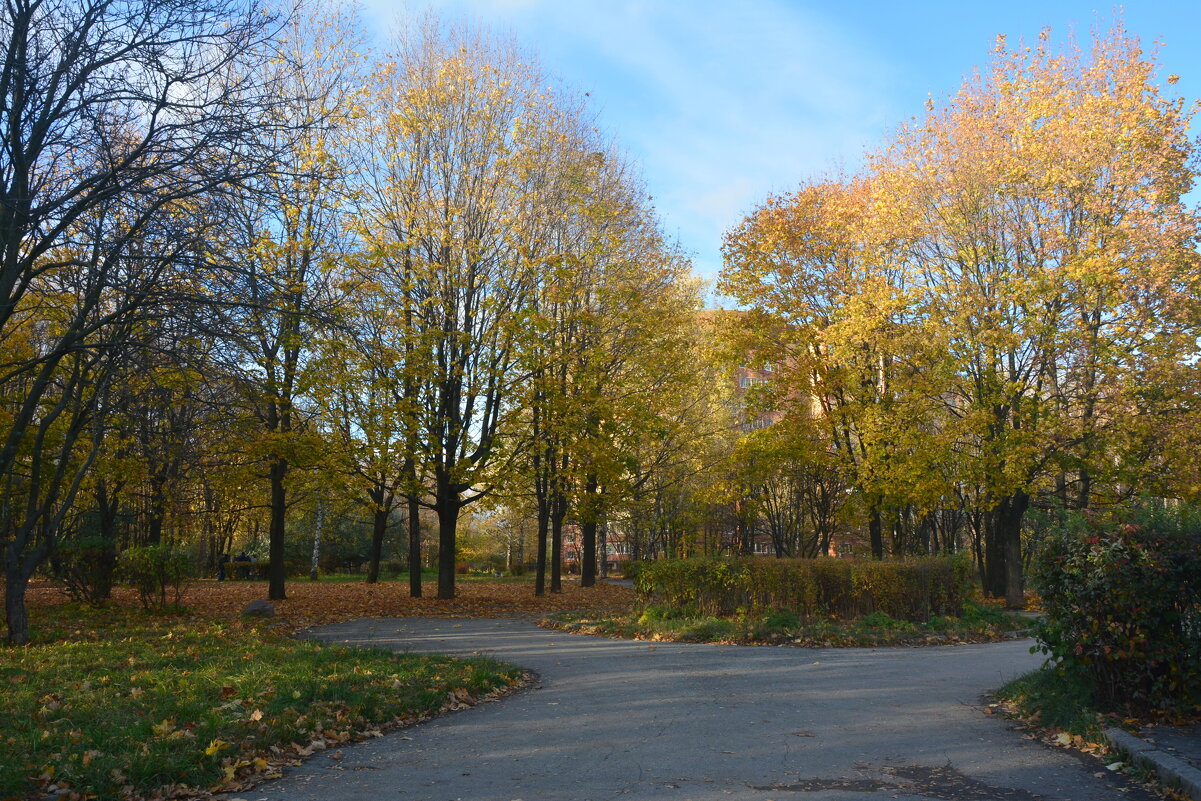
[(1060, 713), (316, 603)]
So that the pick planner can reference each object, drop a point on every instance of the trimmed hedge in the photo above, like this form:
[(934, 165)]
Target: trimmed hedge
[(1122, 600), (912, 589)]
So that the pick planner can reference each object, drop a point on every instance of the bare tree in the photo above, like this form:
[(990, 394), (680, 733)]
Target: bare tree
[(284, 238), (118, 120)]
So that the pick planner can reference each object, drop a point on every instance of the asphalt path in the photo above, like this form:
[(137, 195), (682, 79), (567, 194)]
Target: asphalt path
[(619, 719)]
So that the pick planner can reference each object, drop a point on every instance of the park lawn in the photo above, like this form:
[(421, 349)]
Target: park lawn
[(118, 702), (978, 624)]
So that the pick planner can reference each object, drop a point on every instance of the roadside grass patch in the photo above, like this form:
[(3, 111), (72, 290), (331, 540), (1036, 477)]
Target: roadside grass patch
[(784, 627), (1047, 700), (1063, 712), (117, 702)]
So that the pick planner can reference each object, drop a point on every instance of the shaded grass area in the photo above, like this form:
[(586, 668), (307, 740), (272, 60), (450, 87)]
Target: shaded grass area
[(978, 624), (117, 702), (1047, 700), (1063, 712)]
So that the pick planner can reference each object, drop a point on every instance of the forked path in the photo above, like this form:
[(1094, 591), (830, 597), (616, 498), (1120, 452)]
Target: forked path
[(678, 721)]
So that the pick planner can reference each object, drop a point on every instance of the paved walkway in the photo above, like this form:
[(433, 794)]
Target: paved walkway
[(1182, 742), (619, 719)]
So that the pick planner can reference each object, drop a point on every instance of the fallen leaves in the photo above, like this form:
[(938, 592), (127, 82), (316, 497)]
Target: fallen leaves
[(1049, 735), (216, 747), (318, 603)]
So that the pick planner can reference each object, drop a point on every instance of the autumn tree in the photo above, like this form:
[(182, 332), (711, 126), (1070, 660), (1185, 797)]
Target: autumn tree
[(1041, 215), (828, 309), (994, 305), (365, 400), (282, 247), (116, 117), (467, 145), (610, 311)]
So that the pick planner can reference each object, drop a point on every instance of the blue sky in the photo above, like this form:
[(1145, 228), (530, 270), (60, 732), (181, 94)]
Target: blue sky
[(724, 103)]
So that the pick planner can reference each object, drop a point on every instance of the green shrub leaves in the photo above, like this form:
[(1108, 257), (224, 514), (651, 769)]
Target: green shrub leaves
[(912, 589), (1123, 608), (154, 571)]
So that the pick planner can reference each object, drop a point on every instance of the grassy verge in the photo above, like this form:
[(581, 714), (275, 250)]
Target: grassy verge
[(979, 624), (1045, 700), (1062, 713), (118, 703)]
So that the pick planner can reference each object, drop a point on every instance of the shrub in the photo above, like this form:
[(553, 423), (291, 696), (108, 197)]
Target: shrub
[(782, 620), (393, 568), (631, 569), (979, 613), (707, 630), (154, 571), (85, 566), (912, 589), (1123, 607), (653, 613), (879, 620)]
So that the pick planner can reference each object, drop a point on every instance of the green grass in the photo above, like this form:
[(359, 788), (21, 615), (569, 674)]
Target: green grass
[(131, 700), (1047, 700), (978, 624)]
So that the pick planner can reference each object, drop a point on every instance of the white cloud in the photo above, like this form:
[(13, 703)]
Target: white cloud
[(723, 103)]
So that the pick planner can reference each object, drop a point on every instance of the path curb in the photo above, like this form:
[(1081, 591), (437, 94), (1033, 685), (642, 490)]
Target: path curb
[(1172, 771)]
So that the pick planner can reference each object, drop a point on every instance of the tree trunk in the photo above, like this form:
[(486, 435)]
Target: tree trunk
[(107, 508), (157, 514), (875, 528), (1085, 493), (17, 571), (1008, 530), (313, 566), (378, 529), (994, 556), (276, 570), (558, 513), (602, 545), (448, 506), (588, 553), (543, 530), (414, 547), (14, 608), (588, 533)]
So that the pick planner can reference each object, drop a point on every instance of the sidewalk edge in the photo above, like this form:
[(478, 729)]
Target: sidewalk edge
[(1172, 772)]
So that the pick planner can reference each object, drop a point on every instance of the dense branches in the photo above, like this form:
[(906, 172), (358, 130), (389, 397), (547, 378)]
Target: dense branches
[(122, 126), (979, 315)]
